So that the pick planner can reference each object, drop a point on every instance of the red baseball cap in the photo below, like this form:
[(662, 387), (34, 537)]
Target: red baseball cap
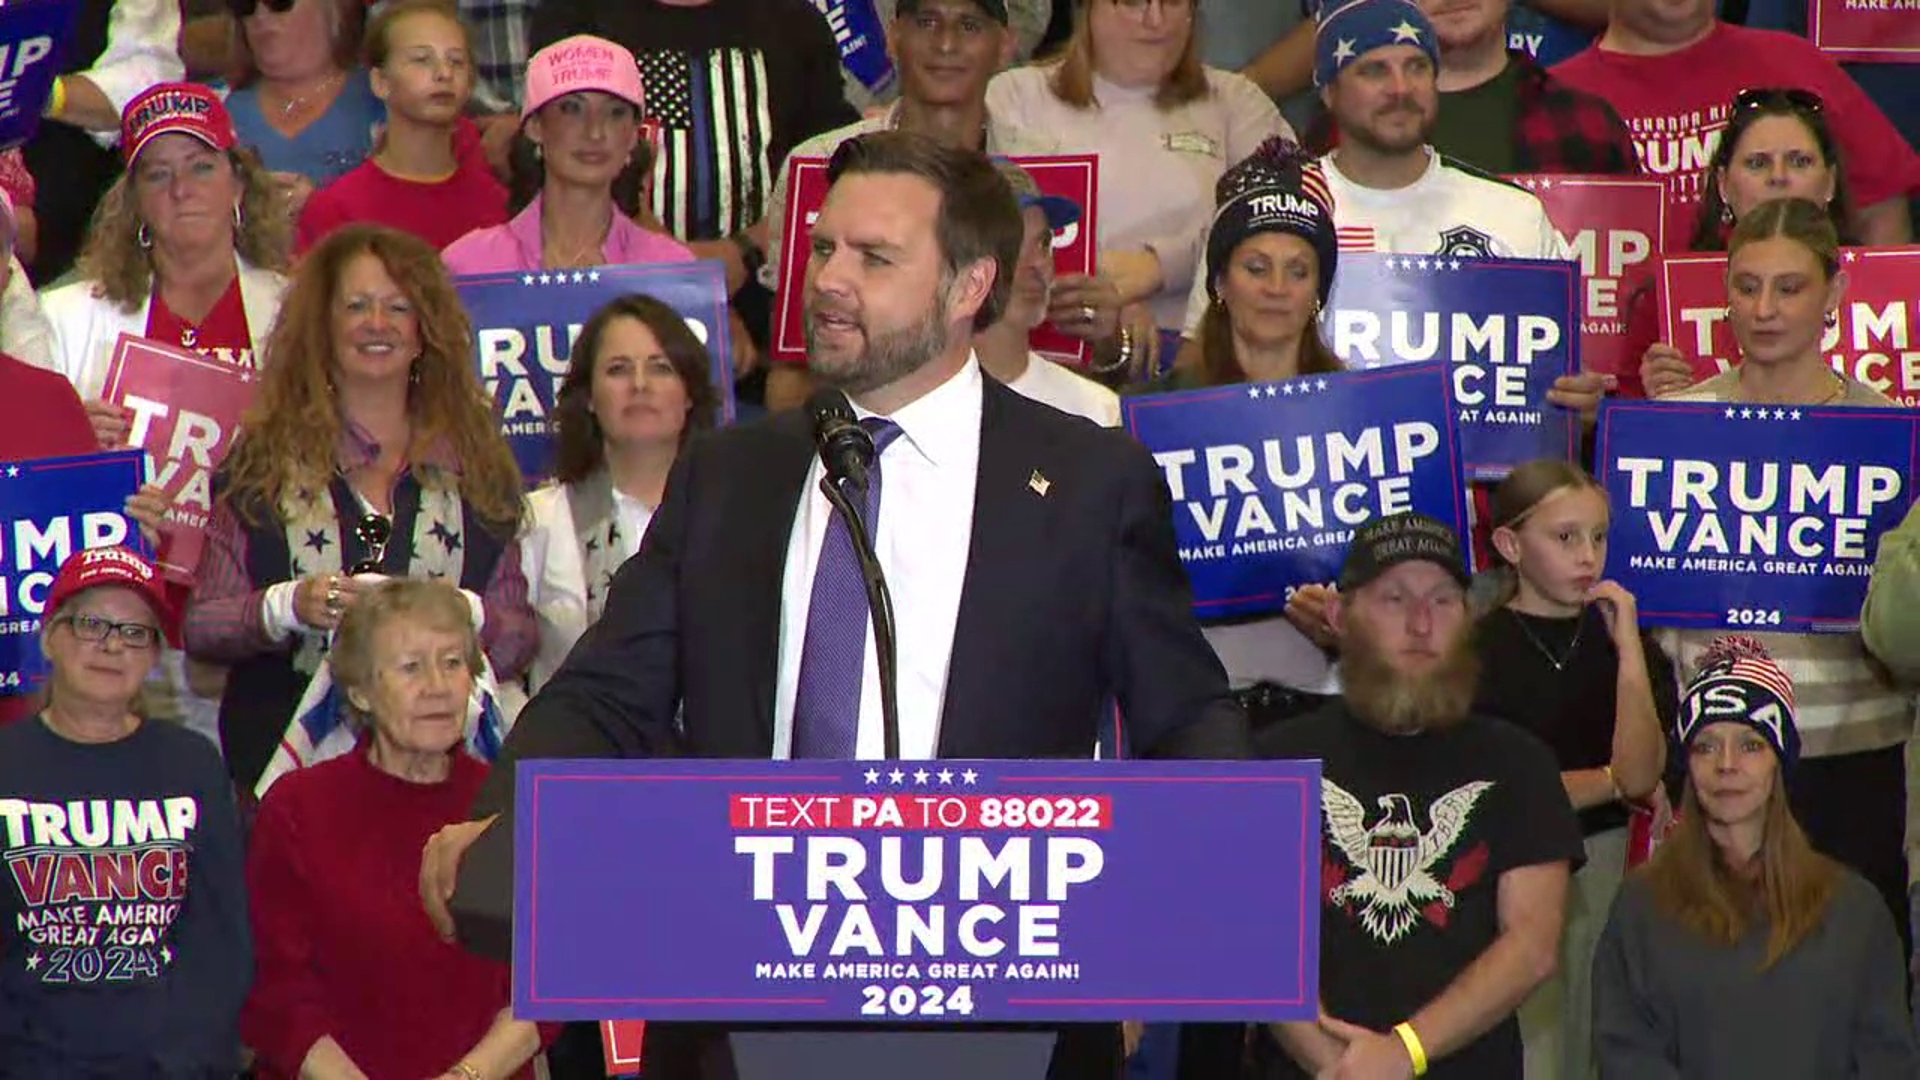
[(187, 108), (95, 567)]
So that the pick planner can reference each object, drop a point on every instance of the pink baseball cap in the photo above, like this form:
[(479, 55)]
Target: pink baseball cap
[(581, 62), (187, 108), (120, 566)]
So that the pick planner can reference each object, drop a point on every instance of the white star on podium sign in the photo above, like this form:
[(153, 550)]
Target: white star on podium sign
[(969, 776), (873, 776), (946, 776), (896, 776)]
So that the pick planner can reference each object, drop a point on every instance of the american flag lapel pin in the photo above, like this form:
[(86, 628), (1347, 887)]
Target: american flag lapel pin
[(1039, 483)]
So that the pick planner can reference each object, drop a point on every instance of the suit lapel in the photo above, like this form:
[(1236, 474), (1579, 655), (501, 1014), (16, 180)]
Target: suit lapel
[(999, 554), (769, 492)]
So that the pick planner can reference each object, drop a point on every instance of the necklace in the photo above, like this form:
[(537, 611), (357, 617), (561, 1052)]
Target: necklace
[(1839, 389), (588, 254), (1559, 662), (296, 101)]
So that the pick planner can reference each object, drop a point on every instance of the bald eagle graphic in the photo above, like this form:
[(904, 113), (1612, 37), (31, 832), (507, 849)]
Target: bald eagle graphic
[(1393, 861)]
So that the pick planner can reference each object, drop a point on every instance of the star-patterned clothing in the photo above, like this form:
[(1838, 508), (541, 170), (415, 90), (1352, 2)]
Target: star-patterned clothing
[(732, 85), (226, 619), (1556, 129)]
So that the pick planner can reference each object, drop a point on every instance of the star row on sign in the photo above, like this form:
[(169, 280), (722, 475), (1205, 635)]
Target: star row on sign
[(1761, 414), (1304, 386), (1537, 183), (1424, 264), (577, 277), (921, 776)]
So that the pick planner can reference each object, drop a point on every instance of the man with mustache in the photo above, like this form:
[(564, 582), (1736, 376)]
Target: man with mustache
[(1031, 558), (1449, 839)]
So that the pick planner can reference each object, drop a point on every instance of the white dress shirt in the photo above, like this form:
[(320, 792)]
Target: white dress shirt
[(927, 480)]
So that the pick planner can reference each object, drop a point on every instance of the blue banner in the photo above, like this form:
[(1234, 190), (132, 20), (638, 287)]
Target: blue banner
[(1510, 327), (50, 509), (1269, 480), (33, 48), (524, 325), (856, 29), (1750, 517), (942, 891)]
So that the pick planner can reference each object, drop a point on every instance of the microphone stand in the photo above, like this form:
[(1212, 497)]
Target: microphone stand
[(880, 605)]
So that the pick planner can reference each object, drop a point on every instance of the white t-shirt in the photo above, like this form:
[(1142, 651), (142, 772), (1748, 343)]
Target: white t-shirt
[(1453, 209), (1054, 384)]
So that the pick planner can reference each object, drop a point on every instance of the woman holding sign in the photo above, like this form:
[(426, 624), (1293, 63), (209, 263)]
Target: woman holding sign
[(1784, 284), (636, 389), (1739, 950), (125, 949), (370, 452), (1777, 146), (351, 980), (582, 117), (186, 248)]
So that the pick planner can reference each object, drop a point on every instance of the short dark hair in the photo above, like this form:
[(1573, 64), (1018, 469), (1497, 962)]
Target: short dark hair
[(578, 440), (979, 218)]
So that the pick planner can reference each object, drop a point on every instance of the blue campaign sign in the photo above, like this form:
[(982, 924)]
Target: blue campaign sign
[(929, 891), (1750, 517), (1509, 326), (524, 325), (33, 46), (1269, 480), (50, 509)]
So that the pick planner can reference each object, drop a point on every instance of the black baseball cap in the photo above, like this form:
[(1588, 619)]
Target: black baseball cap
[(1384, 543), (995, 9)]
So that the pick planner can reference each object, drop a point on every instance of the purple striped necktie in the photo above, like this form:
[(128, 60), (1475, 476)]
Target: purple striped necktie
[(826, 708)]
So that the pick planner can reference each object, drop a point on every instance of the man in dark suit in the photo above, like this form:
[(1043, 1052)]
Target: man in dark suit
[(1031, 556)]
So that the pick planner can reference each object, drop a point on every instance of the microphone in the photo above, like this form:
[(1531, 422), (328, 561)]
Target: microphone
[(844, 446), (846, 449)]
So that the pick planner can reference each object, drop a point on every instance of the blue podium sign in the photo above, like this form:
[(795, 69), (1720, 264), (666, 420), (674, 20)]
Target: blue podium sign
[(1750, 517), (1509, 327), (923, 891), (1269, 480)]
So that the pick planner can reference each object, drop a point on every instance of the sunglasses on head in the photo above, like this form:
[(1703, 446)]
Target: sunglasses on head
[(243, 8), (373, 531), (1774, 97)]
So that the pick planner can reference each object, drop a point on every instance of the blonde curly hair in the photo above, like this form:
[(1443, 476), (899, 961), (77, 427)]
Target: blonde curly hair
[(288, 436), (123, 270)]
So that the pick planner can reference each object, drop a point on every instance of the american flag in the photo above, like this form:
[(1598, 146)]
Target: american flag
[(711, 177)]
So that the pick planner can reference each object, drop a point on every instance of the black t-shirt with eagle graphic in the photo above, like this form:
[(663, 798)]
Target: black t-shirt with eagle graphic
[(1417, 831)]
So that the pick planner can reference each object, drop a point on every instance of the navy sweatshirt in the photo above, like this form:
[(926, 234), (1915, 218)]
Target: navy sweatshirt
[(124, 947)]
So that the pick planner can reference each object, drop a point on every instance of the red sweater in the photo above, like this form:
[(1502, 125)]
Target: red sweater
[(342, 945), (40, 417)]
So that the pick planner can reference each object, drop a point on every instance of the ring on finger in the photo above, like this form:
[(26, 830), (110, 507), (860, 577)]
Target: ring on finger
[(1087, 313)]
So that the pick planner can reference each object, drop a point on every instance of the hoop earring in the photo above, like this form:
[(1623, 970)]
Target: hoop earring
[(413, 372), (1832, 319), (239, 218), (539, 152), (144, 237), (1726, 214)]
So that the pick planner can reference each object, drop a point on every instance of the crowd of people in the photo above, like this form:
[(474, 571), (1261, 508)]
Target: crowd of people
[(382, 588)]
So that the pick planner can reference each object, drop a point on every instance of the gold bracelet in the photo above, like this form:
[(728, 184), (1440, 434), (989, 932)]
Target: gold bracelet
[(1415, 1050), (1612, 784), (468, 1072), (57, 101)]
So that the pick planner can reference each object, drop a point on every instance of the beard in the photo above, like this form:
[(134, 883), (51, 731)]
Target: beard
[(889, 356), (1368, 139), (1395, 703)]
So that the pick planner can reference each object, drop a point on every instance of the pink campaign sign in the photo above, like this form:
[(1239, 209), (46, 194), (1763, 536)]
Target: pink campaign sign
[(1615, 226), (1074, 176), (1866, 31)]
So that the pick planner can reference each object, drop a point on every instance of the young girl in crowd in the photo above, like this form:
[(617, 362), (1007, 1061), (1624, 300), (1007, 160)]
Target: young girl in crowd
[(1562, 656), (1740, 951), (419, 179)]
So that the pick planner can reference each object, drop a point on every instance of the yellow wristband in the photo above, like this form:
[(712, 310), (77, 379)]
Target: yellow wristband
[(57, 101), (467, 1072), (1414, 1050)]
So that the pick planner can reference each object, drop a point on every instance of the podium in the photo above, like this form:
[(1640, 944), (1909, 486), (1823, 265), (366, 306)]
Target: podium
[(855, 919)]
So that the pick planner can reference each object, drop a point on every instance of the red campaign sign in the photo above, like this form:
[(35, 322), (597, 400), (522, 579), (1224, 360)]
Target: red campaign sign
[(1874, 340), (186, 408), (1074, 176), (1613, 225), (1866, 31), (620, 1045)]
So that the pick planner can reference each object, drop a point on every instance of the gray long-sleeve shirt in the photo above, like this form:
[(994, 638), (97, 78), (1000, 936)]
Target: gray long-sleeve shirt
[(1669, 1005)]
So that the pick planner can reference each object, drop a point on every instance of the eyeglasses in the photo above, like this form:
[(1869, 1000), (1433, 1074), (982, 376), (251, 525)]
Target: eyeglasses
[(1169, 9), (1775, 97), (373, 532), (243, 8), (96, 630)]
